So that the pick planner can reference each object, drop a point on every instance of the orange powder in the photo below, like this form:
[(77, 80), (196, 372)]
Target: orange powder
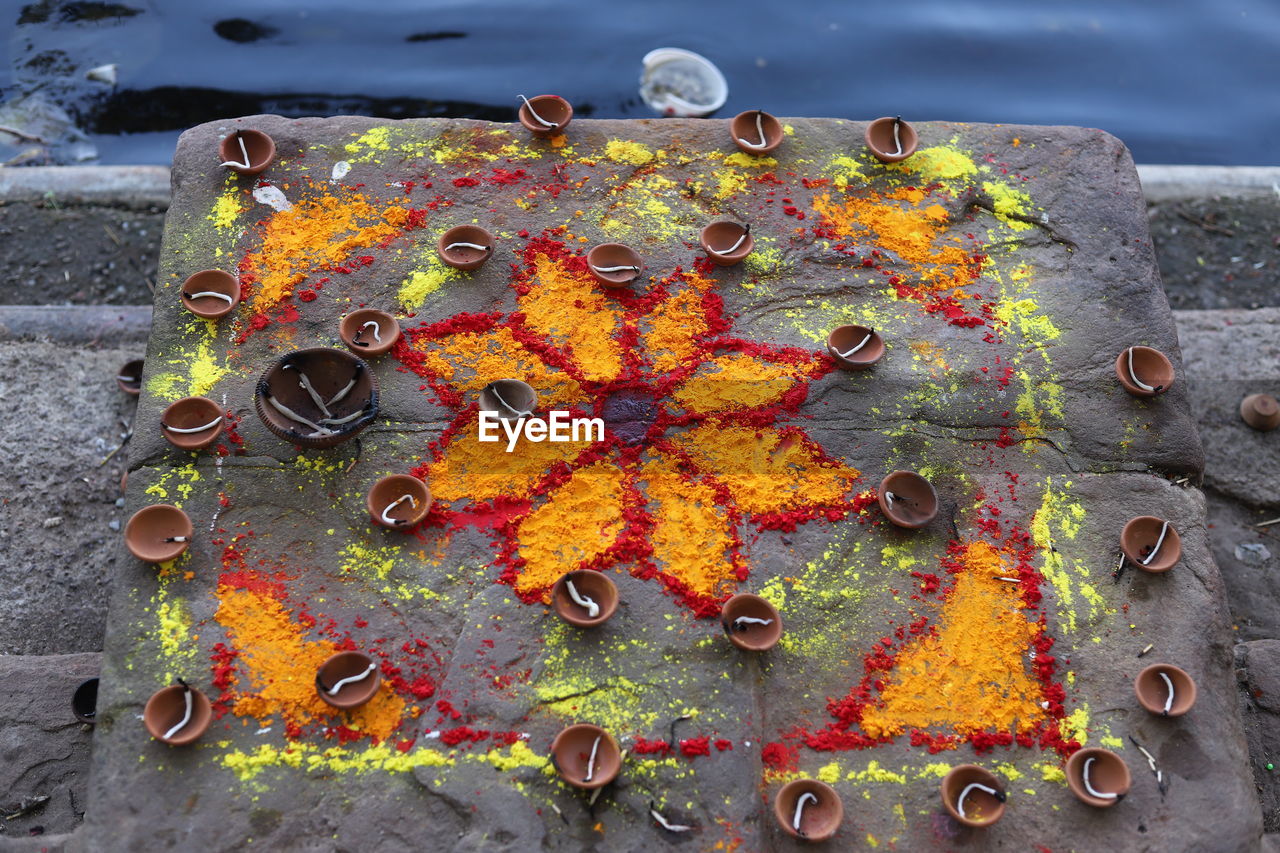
[(281, 668), (972, 675), (470, 361), (481, 471), (691, 534), (766, 471), (734, 382), (567, 308), (579, 521), (671, 332)]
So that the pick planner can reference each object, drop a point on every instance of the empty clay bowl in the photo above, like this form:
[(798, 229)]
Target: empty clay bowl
[(1139, 538), (571, 755), (509, 398), (167, 707), (354, 693), (879, 138), (1260, 411), (197, 288), (747, 634), (747, 128), (192, 423), (727, 243), (907, 499), (1108, 774), (551, 108), (465, 257), (343, 383), (592, 586), (406, 512), (365, 340), (614, 265), (1153, 691), (260, 148), (1150, 367), (819, 820), (980, 808), (129, 377), (149, 534), (84, 701), (855, 347)]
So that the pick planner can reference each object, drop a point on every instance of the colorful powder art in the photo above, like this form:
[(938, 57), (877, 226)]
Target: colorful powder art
[(737, 457)]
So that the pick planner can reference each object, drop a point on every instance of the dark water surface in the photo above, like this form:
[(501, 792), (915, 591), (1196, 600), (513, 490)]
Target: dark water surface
[(1181, 81)]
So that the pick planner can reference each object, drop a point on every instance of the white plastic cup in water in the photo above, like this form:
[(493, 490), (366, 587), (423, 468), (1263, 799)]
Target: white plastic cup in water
[(679, 82)]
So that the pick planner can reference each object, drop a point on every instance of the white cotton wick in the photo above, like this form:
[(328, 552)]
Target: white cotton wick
[(345, 390), (729, 251), (897, 142), (127, 378), (760, 130), (616, 269), (865, 341), (591, 762), (305, 384), (210, 425), (804, 800), (176, 539), (475, 246), (508, 405), (1084, 775), (593, 609), (889, 497), (1168, 703), (338, 421), (386, 513), (1160, 541), (542, 121), (352, 679), (292, 415), (376, 329), (212, 293), (751, 620), (960, 802), (186, 717), (243, 151), (665, 824), (1136, 381)]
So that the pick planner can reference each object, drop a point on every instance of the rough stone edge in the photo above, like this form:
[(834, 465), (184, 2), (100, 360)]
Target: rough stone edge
[(1167, 183), (75, 324), (119, 186)]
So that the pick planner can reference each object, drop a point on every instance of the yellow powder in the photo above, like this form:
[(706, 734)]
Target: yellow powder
[(568, 308), (734, 382), (481, 471), (631, 153), (580, 519), (691, 538)]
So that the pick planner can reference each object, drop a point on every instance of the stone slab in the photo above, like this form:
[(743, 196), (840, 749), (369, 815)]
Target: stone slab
[(1006, 267)]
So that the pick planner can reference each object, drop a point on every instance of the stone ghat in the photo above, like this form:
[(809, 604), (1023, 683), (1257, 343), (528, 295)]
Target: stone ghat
[(1004, 268)]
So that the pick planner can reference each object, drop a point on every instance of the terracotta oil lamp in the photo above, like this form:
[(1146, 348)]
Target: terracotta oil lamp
[(751, 623), (614, 265), (129, 377), (317, 397), (192, 423), (1098, 777), (855, 347), (727, 243), (972, 795), (586, 756), (211, 294), (158, 533), (399, 501), (465, 247), (545, 115), (1165, 690), (1151, 544), (348, 680), (584, 598), (247, 152), (509, 399), (1260, 411), (891, 139), (907, 499), (1143, 371), (756, 132), (368, 332), (177, 715), (84, 701), (808, 809)]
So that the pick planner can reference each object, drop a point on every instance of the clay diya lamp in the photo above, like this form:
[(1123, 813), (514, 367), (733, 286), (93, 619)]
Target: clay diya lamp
[(247, 152), (1165, 690), (192, 423), (129, 377), (586, 756), (584, 598), (756, 132), (348, 680), (907, 499), (545, 115), (808, 809), (369, 332), (972, 795), (1143, 371), (1151, 544), (317, 397), (751, 623), (1098, 777), (891, 139), (211, 293), (1260, 411), (509, 399), (177, 715), (84, 701), (399, 501), (727, 243), (158, 533), (465, 247), (855, 347), (614, 265)]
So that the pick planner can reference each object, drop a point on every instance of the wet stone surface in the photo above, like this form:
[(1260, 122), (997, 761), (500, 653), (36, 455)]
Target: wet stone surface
[(1005, 267)]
